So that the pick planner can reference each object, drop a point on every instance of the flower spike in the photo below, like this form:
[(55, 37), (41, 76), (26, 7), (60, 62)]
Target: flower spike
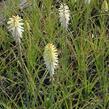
[(104, 6), (51, 58), (64, 15), (16, 27)]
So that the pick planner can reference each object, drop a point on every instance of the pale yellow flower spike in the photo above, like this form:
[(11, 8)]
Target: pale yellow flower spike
[(16, 27), (51, 58), (104, 6)]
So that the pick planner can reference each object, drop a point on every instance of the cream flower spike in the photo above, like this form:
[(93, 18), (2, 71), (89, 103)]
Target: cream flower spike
[(51, 58), (16, 27), (64, 15)]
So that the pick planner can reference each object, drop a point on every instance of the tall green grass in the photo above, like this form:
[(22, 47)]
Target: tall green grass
[(81, 80)]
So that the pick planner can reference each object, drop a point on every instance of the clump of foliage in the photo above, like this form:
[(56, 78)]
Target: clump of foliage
[(81, 78)]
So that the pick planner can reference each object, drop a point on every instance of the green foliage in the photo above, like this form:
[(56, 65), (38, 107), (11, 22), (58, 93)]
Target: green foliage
[(81, 80)]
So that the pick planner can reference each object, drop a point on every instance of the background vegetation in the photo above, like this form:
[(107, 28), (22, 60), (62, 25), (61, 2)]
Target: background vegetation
[(82, 78)]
